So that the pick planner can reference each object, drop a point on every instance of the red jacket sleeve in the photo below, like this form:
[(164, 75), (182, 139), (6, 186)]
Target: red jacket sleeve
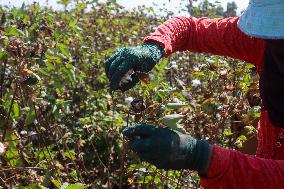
[(234, 170), (215, 36)]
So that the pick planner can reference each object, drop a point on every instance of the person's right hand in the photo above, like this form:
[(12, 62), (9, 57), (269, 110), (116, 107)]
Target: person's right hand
[(141, 58), (168, 149)]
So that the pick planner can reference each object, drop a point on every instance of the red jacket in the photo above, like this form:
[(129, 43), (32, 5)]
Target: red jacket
[(230, 168)]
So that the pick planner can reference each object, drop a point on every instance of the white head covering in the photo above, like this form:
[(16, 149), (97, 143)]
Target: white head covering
[(263, 19)]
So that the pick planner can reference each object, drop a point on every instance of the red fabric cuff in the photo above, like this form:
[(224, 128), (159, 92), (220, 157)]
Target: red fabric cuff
[(218, 167)]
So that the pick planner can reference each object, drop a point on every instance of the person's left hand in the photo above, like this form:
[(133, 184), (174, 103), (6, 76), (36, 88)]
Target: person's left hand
[(127, 60), (168, 149)]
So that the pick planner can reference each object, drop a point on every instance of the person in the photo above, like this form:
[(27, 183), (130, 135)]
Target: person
[(256, 37)]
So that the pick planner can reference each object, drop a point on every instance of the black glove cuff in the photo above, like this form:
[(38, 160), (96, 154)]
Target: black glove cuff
[(158, 47), (200, 157)]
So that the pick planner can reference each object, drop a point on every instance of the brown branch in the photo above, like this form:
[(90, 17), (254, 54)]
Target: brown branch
[(9, 112), (123, 156), (20, 168)]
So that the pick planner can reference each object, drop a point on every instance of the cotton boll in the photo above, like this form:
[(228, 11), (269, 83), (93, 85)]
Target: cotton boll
[(187, 95), (128, 100), (31, 133), (174, 65), (123, 81), (223, 72), (130, 72), (12, 38), (126, 78), (2, 148), (176, 100), (195, 82), (23, 132), (197, 69)]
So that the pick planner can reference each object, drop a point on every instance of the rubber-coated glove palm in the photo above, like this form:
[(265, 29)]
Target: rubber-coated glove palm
[(168, 149), (142, 58)]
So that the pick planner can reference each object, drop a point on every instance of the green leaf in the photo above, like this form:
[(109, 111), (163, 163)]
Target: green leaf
[(64, 2), (3, 55), (255, 112), (69, 74), (175, 106), (70, 154), (12, 31), (249, 66), (50, 66), (76, 186), (42, 71), (16, 110), (73, 25), (63, 49), (30, 117), (228, 132), (135, 28), (249, 129), (56, 183), (242, 138), (157, 180), (26, 19), (54, 57)]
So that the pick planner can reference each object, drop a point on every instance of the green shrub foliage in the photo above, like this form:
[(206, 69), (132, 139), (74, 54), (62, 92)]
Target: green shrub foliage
[(59, 123)]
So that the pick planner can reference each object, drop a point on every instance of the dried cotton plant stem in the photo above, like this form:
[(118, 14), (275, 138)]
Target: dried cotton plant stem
[(9, 113), (122, 168), (74, 163), (123, 155)]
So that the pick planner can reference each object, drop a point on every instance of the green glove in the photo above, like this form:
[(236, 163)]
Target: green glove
[(168, 149), (142, 58)]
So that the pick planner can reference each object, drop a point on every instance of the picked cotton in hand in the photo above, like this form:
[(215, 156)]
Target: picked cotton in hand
[(126, 78)]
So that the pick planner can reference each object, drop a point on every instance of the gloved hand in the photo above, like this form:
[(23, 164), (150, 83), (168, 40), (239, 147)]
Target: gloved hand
[(168, 149), (142, 58)]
